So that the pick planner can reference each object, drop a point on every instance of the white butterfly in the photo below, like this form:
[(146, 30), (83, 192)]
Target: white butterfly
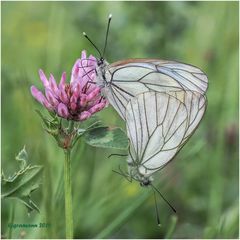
[(123, 80), (126, 82), (162, 103), (158, 124)]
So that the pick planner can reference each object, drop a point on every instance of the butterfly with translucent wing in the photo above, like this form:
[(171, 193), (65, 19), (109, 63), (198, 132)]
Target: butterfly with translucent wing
[(162, 103)]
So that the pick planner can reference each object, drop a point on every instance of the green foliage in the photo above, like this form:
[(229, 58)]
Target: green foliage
[(128, 211), (23, 182), (202, 181), (51, 126), (171, 227), (93, 132), (106, 137)]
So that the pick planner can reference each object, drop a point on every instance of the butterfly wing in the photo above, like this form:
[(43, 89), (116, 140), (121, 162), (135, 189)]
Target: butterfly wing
[(196, 105), (156, 125), (131, 77), (173, 74)]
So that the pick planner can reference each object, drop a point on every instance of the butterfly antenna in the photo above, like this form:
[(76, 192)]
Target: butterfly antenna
[(156, 207), (108, 26), (164, 198), (86, 36)]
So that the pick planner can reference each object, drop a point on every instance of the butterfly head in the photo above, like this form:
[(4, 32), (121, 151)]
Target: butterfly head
[(100, 61), (145, 182), (102, 73)]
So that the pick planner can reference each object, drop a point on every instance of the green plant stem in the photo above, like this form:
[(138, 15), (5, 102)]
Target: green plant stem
[(12, 215), (171, 227), (68, 195), (71, 126)]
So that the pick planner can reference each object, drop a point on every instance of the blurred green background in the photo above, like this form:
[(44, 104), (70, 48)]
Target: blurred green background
[(202, 182)]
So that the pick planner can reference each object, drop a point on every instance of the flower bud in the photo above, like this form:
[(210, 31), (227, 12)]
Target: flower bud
[(63, 80), (53, 85), (43, 78), (62, 110), (63, 95), (93, 94), (83, 100), (51, 98), (75, 71), (76, 90), (73, 103), (84, 115), (97, 107), (40, 97)]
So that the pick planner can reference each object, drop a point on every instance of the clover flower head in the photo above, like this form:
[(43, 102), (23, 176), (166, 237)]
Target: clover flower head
[(77, 100)]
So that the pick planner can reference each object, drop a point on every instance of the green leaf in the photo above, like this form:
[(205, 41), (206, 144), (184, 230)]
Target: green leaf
[(23, 158), (171, 227), (107, 138), (51, 126), (22, 183), (44, 119)]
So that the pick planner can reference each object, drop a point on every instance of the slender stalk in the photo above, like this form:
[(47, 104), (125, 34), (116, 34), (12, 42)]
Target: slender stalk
[(68, 195), (71, 126), (12, 215)]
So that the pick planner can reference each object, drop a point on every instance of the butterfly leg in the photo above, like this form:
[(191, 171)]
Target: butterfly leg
[(125, 175)]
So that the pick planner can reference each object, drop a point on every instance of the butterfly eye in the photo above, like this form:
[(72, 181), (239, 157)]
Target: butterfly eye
[(99, 62)]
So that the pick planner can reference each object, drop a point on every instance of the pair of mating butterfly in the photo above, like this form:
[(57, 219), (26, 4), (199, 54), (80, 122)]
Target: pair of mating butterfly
[(162, 103)]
